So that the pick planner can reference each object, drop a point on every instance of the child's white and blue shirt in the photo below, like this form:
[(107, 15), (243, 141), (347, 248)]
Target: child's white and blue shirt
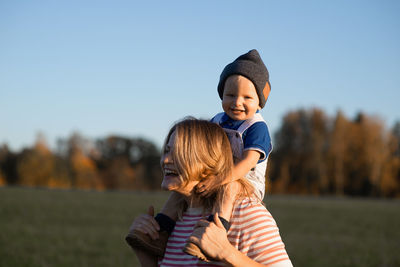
[(250, 134)]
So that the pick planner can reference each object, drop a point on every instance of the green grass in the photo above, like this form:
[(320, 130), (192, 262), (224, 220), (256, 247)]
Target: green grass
[(40, 227), (339, 232)]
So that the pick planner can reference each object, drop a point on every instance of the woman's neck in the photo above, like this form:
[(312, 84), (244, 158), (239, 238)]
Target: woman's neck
[(188, 193), (192, 202)]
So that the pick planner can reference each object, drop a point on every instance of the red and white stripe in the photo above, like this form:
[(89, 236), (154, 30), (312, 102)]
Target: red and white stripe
[(253, 232)]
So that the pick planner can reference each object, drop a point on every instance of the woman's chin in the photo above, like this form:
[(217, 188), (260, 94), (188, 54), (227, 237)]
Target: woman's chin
[(168, 187), (170, 183)]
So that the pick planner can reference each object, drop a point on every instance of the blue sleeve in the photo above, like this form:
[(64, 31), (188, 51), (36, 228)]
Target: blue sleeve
[(257, 137)]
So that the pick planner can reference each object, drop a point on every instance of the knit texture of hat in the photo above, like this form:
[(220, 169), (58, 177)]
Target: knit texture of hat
[(251, 66)]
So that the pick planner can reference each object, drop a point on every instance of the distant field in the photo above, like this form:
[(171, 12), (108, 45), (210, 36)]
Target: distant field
[(40, 227)]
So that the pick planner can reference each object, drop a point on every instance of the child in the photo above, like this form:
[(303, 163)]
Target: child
[(243, 88)]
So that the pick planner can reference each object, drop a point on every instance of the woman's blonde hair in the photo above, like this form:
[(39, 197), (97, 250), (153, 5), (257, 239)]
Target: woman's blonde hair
[(202, 151)]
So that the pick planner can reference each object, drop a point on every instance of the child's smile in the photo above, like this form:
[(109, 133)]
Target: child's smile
[(237, 111)]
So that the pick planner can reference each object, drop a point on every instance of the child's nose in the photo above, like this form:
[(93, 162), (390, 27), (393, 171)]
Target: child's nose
[(238, 101)]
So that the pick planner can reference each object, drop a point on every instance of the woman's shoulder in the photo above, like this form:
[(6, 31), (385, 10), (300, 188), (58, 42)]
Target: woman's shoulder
[(254, 232), (247, 203), (251, 209)]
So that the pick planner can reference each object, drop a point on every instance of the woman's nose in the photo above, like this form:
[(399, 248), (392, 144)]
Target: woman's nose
[(166, 158)]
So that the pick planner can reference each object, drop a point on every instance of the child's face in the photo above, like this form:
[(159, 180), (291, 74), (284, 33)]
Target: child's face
[(240, 100)]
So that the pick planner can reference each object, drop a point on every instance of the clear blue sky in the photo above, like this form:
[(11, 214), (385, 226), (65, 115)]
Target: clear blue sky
[(135, 67)]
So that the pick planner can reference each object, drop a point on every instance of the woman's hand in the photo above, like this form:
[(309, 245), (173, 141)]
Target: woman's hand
[(212, 239), (146, 223)]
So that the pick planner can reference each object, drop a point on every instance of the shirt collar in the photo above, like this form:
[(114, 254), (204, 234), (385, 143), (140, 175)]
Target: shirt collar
[(226, 119)]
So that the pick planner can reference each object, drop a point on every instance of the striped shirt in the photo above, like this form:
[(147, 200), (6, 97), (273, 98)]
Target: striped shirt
[(253, 232)]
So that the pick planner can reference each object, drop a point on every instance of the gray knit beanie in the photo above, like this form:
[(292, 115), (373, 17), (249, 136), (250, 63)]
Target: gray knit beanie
[(251, 66)]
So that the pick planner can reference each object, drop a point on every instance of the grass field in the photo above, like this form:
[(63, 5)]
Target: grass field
[(40, 227)]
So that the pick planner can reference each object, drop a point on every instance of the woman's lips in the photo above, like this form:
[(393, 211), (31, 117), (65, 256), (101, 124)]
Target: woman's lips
[(170, 172)]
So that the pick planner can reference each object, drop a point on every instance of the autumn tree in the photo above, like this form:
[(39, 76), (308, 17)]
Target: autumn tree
[(337, 154), (396, 135), (390, 180), (315, 154), (8, 165), (299, 157), (368, 150), (36, 165), (289, 153), (128, 162), (82, 170), (2, 178)]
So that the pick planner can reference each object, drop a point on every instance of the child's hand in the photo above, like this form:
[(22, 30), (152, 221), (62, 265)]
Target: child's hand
[(203, 187)]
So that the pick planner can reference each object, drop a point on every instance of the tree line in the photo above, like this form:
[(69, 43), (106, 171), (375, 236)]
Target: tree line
[(110, 163), (317, 154), (313, 154)]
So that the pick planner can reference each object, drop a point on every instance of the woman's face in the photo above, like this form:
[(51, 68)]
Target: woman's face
[(171, 180)]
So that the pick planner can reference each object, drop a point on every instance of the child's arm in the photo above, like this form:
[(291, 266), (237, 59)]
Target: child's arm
[(241, 168)]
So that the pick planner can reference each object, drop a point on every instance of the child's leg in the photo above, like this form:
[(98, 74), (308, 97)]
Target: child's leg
[(225, 210), (169, 213), (170, 207)]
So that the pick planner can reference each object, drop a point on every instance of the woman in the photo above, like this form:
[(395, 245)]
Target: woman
[(196, 150)]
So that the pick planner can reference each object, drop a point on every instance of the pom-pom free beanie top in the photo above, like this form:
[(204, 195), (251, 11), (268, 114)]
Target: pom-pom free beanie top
[(251, 66)]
